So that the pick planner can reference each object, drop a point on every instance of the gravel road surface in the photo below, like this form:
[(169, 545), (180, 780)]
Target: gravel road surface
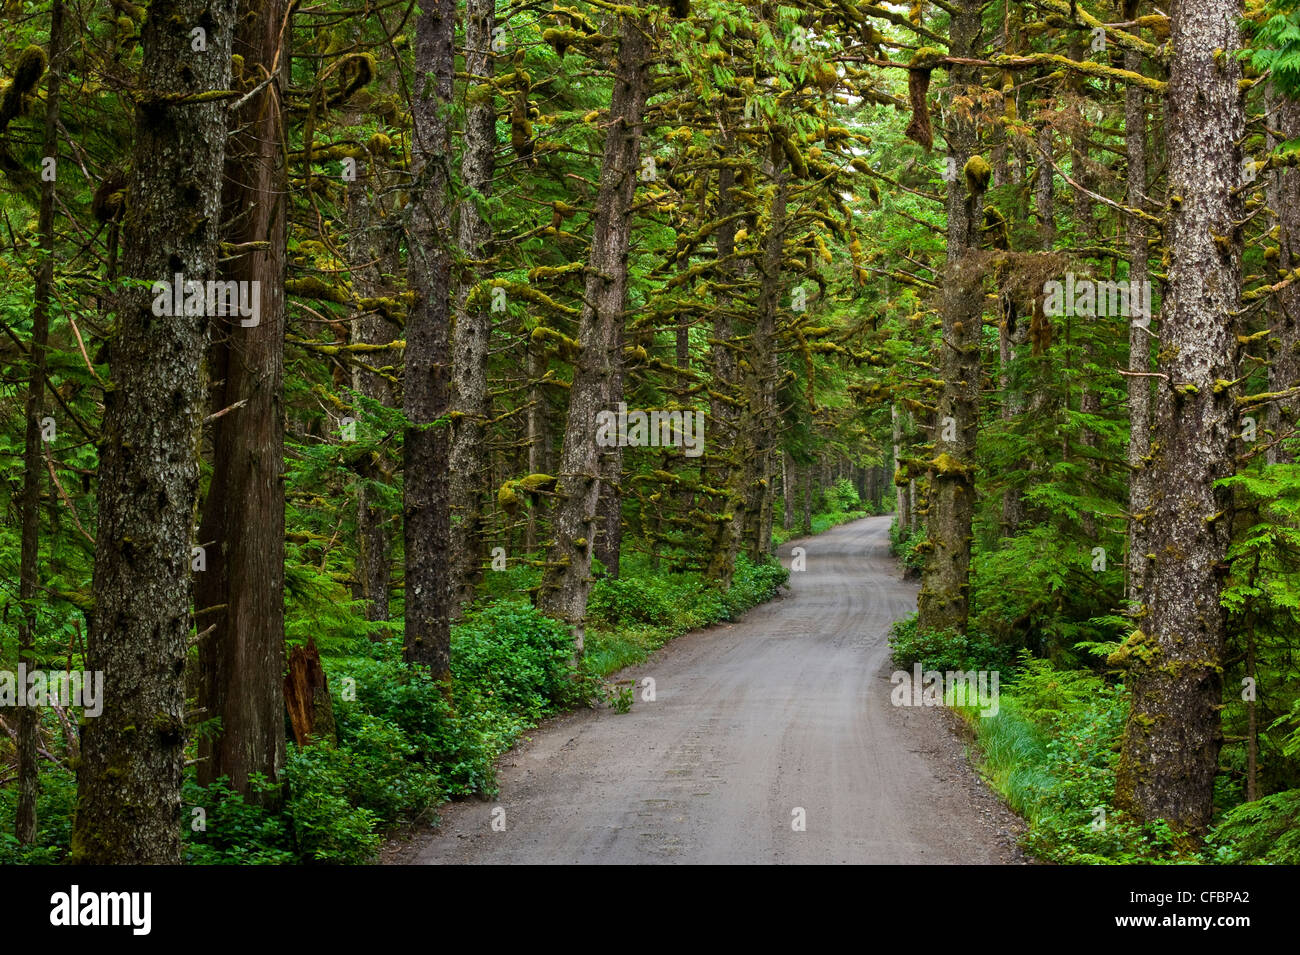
[(781, 716)]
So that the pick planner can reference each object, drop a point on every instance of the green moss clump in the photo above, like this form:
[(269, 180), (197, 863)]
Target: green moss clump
[(978, 174)]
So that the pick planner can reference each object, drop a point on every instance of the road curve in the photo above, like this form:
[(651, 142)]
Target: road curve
[(786, 710)]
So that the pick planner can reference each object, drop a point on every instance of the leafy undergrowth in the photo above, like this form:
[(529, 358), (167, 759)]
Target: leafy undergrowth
[(632, 617), (1050, 750)]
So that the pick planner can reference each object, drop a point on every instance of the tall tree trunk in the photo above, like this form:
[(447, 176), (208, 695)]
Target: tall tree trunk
[(902, 497), (787, 492), (373, 252), (1172, 739), (943, 602), (758, 417), (565, 584), (25, 820), (1284, 368), (807, 499), (132, 754), (426, 455), (473, 331), (241, 593), (723, 418), (540, 457), (1086, 222), (1139, 335), (608, 545)]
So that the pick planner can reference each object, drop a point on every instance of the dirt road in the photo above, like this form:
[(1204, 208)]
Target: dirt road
[(787, 710)]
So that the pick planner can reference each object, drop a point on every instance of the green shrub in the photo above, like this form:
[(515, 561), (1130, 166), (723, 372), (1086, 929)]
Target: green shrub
[(1050, 751), (843, 496), (511, 651), (55, 803), (327, 826), (752, 584), (454, 741), (629, 600), (947, 650), (906, 545), (235, 832), (1263, 832)]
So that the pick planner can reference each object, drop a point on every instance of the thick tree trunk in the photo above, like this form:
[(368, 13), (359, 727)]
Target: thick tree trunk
[(758, 417), (944, 599), (426, 455), (25, 820), (473, 331), (1172, 739), (566, 584), (129, 778), (240, 594)]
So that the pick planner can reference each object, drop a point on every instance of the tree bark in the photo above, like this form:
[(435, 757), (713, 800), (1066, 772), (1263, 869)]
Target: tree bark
[(566, 582), (540, 456), (902, 498), (241, 661), (608, 545), (723, 418), (129, 778), (1172, 738), (787, 492), (758, 417), (473, 329), (25, 820), (426, 452), (943, 602), (1139, 335), (373, 251), (1284, 367), (807, 498)]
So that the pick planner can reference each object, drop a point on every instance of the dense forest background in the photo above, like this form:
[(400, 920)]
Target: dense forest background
[(336, 546)]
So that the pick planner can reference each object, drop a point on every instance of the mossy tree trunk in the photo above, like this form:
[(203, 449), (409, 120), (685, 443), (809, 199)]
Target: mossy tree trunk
[(608, 544), (473, 329), (759, 369), (943, 602), (725, 435), (1140, 334), (426, 458), (1086, 227), (566, 582), (540, 453), (1284, 365), (902, 499), (373, 255), (132, 754), (1172, 738), (25, 818), (787, 491)]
